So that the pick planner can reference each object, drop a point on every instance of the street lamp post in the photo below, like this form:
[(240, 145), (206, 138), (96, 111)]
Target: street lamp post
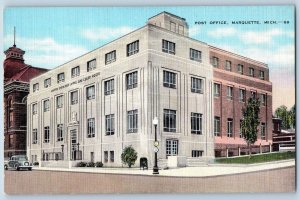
[(155, 167), (77, 154), (62, 152)]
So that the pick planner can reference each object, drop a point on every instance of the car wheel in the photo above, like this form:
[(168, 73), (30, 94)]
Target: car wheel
[(29, 169), (5, 167), (17, 167)]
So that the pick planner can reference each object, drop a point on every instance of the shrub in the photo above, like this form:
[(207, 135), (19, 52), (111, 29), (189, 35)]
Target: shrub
[(129, 156), (81, 164), (99, 164), (35, 163), (91, 164)]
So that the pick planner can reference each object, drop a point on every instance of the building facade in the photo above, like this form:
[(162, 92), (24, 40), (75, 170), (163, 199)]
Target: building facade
[(90, 108)]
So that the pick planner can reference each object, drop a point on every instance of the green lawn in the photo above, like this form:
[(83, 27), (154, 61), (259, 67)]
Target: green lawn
[(258, 158)]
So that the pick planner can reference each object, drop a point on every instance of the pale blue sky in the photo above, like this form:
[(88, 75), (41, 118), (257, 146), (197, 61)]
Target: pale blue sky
[(52, 36)]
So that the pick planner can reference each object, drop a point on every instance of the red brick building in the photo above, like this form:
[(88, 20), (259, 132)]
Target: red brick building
[(236, 79), (16, 88)]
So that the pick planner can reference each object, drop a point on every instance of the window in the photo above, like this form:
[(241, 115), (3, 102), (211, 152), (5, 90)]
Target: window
[(34, 109), (197, 153), (173, 26), (217, 126), (217, 88), (263, 131), (261, 75), (75, 71), (60, 130), (169, 79), (229, 92), (240, 69), (46, 134), (105, 156), (253, 94), (91, 127), (131, 80), (241, 129), (11, 118), (74, 97), (195, 55), (242, 96), (112, 156), (169, 120), (35, 87), (11, 140), (228, 65), (168, 47), (59, 101), (34, 136), (196, 123), (251, 72), (110, 57), (91, 65), (132, 48), (171, 147), (46, 105), (229, 127), (263, 99), (47, 82), (196, 85), (180, 29), (132, 121), (90, 92), (215, 61), (110, 124), (60, 77), (109, 87)]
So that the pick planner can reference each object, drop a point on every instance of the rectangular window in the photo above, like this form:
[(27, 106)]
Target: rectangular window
[(11, 140), (105, 156), (110, 124), (90, 92), (168, 47), (131, 80), (196, 123), (132, 48), (217, 126), (261, 75), (47, 82), (195, 55), (34, 136), (253, 94), (251, 72), (229, 127), (46, 134), (197, 153), (217, 88), (229, 92), (46, 105), (242, 96), (132, 121), (60, 77), (91, 127), (228, 65), (74, 97), (91, 65), (59, 101), (263, 99), (215, 61), (60, 131), (171, 147), (240, 69), (169, 120), (34, 109), (173, 26), (110, 57), (196, 85), (35, 87), (109, 87), (180, 29), (75, 71), (112, 156), (263, 131), (169, 79)]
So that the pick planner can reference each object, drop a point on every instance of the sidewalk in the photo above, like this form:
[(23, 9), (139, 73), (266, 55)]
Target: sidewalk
[(202, 171)]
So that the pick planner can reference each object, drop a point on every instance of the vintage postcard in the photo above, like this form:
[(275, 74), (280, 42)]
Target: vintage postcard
[(149, 99)]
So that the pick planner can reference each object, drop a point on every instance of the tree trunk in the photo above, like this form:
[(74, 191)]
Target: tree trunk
[(250, 151)]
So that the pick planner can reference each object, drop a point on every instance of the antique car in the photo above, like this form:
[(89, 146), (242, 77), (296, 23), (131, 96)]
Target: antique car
[(18, 162)]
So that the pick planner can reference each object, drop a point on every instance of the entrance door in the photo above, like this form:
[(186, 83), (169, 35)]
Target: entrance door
[(172, 147), (73, 136)]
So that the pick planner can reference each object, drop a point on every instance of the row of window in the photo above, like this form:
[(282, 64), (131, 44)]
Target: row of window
[(217, 128), (240, 68), (242, 94)]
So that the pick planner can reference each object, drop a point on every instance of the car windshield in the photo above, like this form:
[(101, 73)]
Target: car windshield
[(22, 158)]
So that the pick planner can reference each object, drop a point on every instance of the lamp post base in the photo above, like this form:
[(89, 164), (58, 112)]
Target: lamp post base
[(155, 170)]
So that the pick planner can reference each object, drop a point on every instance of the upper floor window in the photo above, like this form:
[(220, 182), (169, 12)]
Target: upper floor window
[(229, 92), (196, 85), (35, 87), (60, 77), (195, 55), (110, 57), (217, 89), (217, 126), (196, 123), (34, 109), (169, 79), (109, 87), (173, 26), (46, 134), (91, 65), (60, 132), (91, 127), (263, 99), (251, 72), (47, 82), (75, 71), (132, 121), (262, 75), (180, 29), (215, 61), (59, 101), (263, 131), (168, 47), (131, 80), (74, 97), (242, 96), (229, 127), (228, 65), (132, 48), (90, 92), (110, 124), (34, 136), (240, 69), (253, 94), (169, 120), (46, 105)]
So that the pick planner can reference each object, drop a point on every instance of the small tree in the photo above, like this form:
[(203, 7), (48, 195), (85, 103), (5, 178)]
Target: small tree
[(251, 121), (129, 156)]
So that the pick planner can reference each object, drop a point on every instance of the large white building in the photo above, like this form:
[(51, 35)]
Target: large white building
[(90, 108)]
